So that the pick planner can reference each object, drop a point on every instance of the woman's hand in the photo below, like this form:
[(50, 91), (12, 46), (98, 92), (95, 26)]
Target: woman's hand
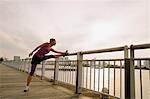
[(65, 53), (30, 54)]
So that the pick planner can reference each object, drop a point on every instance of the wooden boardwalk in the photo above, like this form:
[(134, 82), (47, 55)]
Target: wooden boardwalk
[(12, 83)]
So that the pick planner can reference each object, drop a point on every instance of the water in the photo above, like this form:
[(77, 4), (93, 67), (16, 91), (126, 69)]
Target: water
[(93, 79)]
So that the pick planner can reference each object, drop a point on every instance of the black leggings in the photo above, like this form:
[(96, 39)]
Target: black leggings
[(36, 60), (33, 67)]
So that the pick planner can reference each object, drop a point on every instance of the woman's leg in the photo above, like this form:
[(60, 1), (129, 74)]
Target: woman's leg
[(57, 56), (31, 74), (29, 78), (52, 56), (48, 57)]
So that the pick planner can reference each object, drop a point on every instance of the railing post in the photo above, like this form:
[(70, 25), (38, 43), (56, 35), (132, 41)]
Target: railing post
[(126, 55), (127, 73), (19, 67), (24, 69), (56, 69), (14, 63), (43, 70), (132, 75), (79, 72), (22, 66)]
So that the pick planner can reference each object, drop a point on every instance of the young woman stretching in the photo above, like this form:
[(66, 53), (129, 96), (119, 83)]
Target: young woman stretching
[(40, 55)]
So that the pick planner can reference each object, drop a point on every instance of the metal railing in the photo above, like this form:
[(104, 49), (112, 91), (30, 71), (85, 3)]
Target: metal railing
[(104, 76), (133, 60), (112, 77)]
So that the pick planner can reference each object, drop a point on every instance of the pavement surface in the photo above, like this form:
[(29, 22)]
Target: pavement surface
[(12, 84)]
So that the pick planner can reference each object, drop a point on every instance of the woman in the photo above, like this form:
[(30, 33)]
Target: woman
[(40, 55)]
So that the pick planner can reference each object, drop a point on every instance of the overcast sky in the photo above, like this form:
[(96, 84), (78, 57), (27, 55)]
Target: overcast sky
[(75, 24)]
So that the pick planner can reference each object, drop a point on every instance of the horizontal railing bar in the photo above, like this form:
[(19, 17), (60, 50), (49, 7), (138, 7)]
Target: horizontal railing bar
[(141, 46), (99, 51), (106, 60), (103, 50), (67, 61), (141, 59)]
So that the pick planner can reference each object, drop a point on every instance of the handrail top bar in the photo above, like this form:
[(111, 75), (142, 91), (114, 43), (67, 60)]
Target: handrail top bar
[(141, 58), (141, 46), (104, 60), (104, 50), (100, 50)]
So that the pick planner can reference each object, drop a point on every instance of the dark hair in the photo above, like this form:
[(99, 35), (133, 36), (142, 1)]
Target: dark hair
[(52, 39)]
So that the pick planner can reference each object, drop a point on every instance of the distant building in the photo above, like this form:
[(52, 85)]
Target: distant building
[(16, 58)]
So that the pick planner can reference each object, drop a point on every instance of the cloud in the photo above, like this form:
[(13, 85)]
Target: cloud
[(76, 25)]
